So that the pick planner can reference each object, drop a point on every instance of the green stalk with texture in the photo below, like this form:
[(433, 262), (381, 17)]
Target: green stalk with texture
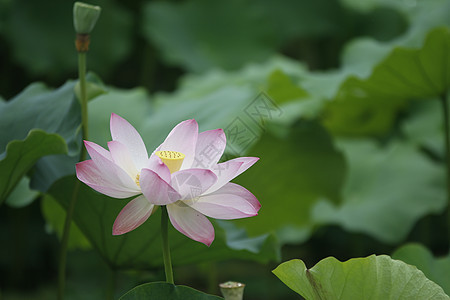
[(71, 208), (85, 17), (165, 245)]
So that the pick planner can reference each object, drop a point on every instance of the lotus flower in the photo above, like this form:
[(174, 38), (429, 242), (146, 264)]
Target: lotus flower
[(183, 173)]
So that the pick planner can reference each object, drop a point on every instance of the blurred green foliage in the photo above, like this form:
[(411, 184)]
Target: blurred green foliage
[(340, 99)]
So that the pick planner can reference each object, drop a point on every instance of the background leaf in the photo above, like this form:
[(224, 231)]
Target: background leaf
[(54, 111), (369, 106), (437, 269), (387, 190), (296, 171), (20, 156), (377, 277)]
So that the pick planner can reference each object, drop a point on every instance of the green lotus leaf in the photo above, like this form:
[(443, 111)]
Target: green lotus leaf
[(374, 277)]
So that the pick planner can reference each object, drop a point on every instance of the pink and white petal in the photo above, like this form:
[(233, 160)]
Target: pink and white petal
[(191, 223), (157, 190), (238, 190), (209, 148), (232, 201), (155, 164), (225, 172), (90, 146), (110, 171), (122, 157), (88, 173), (191, 183), (182, 138), (132, 215), (247, 162), (125, 133), (224, 206)]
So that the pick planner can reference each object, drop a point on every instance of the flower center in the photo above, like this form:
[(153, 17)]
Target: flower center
[(137, 179), (172, 159)]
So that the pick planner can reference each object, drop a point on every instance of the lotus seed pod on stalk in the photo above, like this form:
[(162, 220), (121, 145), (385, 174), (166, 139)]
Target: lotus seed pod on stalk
[(85, 17)]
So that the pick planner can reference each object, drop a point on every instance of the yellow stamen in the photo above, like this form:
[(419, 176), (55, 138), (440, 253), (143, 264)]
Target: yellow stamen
[(172, 159), (137, 180)]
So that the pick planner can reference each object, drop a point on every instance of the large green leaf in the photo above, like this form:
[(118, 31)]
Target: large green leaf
[(163, 290), (20, 156), (294, 172), (54, 111), (141, 248), (46, 27), (387, 190), (370, 105), (374, 277), (436, 269)]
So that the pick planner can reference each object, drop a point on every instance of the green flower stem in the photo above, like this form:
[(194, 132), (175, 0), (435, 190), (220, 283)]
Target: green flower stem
[(73, 200), (111, 284), (444, 100), (65, 242), (84, 101), (165, 245)]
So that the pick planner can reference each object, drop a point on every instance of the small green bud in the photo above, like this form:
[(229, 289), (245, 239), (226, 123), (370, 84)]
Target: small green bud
[(84, 17)]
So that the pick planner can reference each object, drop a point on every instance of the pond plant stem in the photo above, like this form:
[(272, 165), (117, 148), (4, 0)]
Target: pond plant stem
[(111, 288), (73, 200), (83, 99), (65, 242), (165, 245), (445, 107)]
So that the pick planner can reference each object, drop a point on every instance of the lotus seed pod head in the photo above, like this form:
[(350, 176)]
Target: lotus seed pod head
[(84, 17), (232, 290)]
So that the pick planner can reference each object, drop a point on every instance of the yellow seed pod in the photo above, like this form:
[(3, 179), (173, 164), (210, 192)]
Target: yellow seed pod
[(172, 159)]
